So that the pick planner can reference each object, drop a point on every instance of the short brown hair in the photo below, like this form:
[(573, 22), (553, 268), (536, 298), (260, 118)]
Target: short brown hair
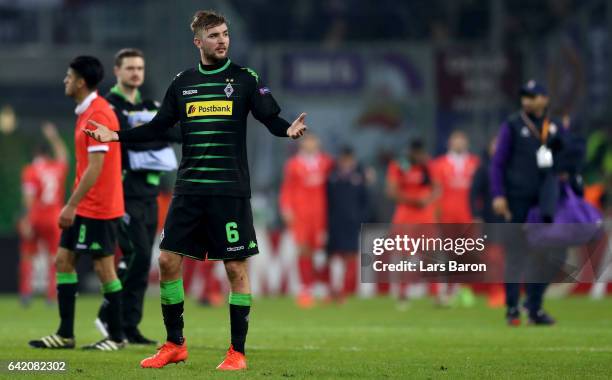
[(127, 53), (203, 20)]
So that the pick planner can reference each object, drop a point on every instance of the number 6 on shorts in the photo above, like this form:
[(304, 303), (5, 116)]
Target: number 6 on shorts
[(231, 230)]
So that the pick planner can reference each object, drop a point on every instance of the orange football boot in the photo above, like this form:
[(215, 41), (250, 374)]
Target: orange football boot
[(234, 361), (305, 300), (166, 354)]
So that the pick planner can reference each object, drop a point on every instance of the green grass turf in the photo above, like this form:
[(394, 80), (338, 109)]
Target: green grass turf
[(360, 339)]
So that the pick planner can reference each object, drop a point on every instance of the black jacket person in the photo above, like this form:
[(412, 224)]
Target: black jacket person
[(522, 167), (142, 164)]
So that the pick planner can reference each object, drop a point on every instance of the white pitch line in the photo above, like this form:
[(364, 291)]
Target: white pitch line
[(576, 349)]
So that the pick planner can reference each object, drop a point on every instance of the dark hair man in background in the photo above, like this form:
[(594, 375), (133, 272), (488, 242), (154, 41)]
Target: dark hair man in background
[(347, 208), (143, 165), (90, 218)]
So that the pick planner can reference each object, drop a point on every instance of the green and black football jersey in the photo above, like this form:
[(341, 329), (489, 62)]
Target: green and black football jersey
[(211, 104)]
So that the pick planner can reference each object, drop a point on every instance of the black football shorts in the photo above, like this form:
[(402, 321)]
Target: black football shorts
[(97, 237), (209, 227)]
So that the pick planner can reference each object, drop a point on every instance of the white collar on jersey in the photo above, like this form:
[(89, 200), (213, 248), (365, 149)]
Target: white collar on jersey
[(457, 158), (84, 105)]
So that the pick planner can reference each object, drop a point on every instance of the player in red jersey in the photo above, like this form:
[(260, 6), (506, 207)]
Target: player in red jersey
[(90, 217), (455, 171), (43, 196), (411, 183), (303, 204)]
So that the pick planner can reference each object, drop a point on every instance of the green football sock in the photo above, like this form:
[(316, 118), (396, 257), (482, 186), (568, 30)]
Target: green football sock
[(240, 307), (172, 302), (67, 284)]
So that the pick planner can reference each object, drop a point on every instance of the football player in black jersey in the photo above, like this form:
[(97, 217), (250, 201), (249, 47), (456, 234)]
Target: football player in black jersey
[(210, 215)]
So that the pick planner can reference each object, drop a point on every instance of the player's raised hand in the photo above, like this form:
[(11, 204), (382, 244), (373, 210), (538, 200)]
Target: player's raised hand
[(102, 133), (298, 127), (49, 130)]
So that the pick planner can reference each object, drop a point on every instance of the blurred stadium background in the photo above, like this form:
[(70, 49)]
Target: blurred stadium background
[(370, 74)]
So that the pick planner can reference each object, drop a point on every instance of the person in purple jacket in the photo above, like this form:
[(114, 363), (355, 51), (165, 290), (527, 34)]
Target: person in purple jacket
[(523, 165)]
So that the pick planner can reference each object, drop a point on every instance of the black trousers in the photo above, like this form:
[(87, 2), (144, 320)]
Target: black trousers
[(524, 265), (136, 237)]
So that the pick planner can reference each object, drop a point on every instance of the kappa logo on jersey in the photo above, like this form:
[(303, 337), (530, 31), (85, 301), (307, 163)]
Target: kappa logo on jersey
[(189, 92), (209, 108)]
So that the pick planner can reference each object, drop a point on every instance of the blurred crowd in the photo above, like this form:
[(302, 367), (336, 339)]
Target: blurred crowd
[(322, 204), (330, 22), (324, 200)]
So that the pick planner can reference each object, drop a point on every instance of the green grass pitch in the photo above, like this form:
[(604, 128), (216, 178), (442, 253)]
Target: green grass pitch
[(360, 339)]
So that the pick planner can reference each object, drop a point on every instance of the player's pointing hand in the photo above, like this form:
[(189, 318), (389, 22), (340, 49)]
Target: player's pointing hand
[(102, 133), (298, 127)]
